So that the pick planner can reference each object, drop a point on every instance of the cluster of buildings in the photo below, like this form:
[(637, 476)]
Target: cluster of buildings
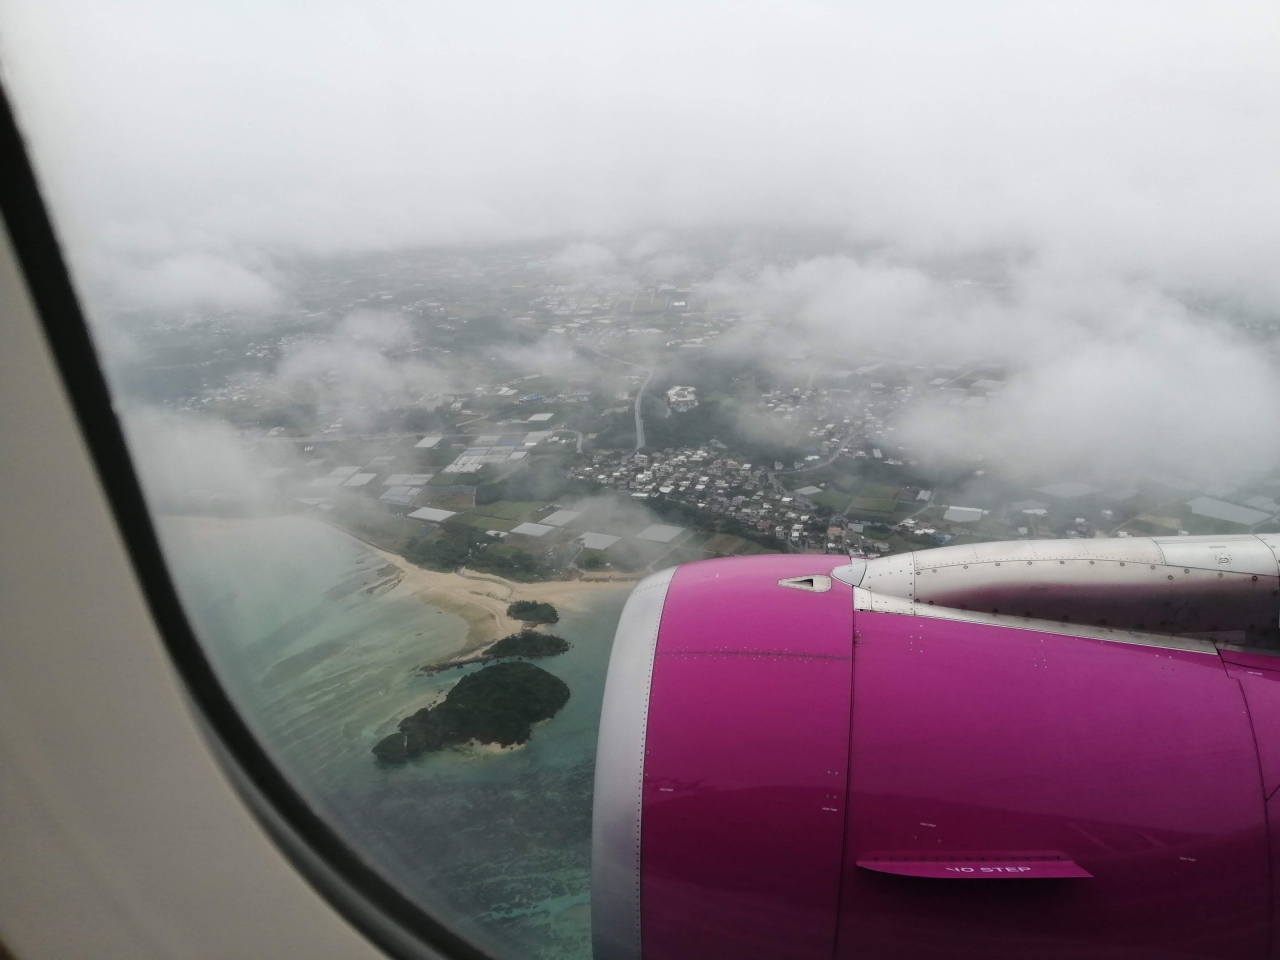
[(682, 399), (490, 449), (701, 477)]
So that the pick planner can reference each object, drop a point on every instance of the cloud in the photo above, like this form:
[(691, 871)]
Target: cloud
[(1189, 402), (378, 329), (182, 458), (1115, 379), (584, 259), (1139, 137), (1101, 175), (193, 281), (357, 372)]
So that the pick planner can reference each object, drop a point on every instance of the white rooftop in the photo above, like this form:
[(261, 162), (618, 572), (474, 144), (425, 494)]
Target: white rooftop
[(809, 491), (540, 417), (598, 541), (401, 495), (428, 441), (431, 514), (360, 479), (660, 533), (561, 517), (532, 529), (406, 479), (963, 514), (344, 472), (1221, 510)]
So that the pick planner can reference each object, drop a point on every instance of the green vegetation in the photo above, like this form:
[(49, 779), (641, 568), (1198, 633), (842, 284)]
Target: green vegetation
[(482, 522), (542, 479), (710, 419), (730, 545), (510, 562), (508, 510), (526, 643), (864, 505), (529, 643), (836, 502), (366, 520), (879, 491), (687, 515), (685, 555), (448, 548), (498, 704), (590, 560), (533, 611), (458, 544)]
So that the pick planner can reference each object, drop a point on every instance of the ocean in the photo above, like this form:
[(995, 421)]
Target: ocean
[(321, 660)]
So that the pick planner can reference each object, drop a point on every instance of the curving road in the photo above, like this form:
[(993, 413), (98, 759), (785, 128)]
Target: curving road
[(639, 393), (639, 418)]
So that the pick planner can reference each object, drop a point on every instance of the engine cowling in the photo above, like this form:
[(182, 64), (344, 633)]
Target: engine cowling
[(793, 766)]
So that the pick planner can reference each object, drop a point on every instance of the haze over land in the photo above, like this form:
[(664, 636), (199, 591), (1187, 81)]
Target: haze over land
[(1083, 194), (535, 298)]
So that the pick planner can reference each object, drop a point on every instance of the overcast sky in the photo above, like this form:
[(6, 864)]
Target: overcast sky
[(1122, 157), (1142, 135)]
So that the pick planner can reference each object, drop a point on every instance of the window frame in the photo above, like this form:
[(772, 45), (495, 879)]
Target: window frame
[(354, 888)]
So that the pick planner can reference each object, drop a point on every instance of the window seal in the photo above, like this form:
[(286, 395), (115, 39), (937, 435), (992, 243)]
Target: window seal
[(370, 902)]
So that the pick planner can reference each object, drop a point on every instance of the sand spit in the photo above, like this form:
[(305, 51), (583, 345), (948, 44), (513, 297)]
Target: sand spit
[(481, 599)]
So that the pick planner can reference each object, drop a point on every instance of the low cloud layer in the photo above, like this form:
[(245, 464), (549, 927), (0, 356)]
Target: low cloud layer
[(1084, 194), (186, 459), (1106, 378), (359, 370), (1139, 137)]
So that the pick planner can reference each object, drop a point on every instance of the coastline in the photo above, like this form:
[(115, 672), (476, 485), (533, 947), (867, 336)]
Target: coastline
[(481, 599), (352, 626)]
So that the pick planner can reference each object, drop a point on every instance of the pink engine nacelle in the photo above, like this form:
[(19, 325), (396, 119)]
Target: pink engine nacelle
[(807, 757)]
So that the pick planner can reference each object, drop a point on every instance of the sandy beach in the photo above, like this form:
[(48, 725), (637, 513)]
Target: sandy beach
[(481, 599), (321, 641)]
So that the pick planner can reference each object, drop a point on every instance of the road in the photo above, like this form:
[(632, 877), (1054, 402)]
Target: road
[(639, 393), (639, 418), (777, 484)]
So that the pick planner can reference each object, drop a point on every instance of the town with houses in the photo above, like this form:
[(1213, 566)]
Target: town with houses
[(560, 426)]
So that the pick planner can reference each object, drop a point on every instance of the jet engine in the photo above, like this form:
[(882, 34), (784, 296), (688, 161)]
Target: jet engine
[(1051, 749)]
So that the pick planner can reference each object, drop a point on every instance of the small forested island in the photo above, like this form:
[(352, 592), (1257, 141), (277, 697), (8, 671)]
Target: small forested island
[(498, 704), (529, 643), (526, 643), (533, 611)]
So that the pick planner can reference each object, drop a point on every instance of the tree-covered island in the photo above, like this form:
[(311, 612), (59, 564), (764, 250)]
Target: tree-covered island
[(529, 643), (498, 704), (526, 643), (533, 611)]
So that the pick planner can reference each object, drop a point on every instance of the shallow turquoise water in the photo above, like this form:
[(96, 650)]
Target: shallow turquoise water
[(497, 842)]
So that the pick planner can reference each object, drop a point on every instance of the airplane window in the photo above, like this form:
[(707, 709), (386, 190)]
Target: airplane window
[(435, 330)]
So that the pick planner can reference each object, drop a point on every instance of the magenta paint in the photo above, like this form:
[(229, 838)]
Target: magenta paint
[(746, 763), (1136, 762)]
